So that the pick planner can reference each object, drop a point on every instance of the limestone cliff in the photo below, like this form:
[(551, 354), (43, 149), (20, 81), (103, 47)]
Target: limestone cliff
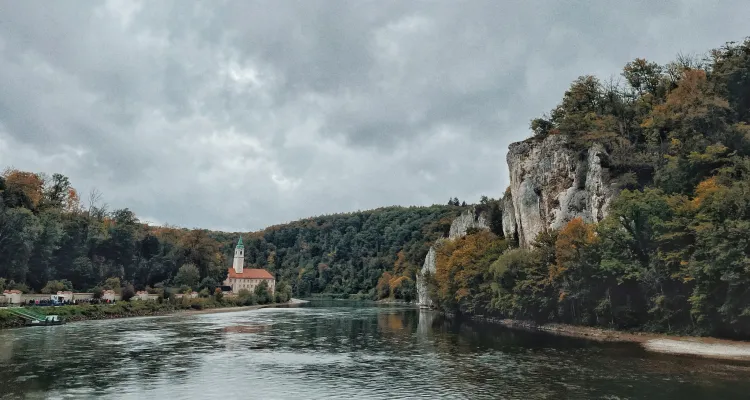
[(552, 183), (460, 225)]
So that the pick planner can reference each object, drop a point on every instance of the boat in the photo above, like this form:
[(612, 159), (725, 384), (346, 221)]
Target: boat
[(34, 318)]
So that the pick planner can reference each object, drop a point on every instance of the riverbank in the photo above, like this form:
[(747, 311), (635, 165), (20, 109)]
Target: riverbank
[(290, 303), (684, 345), (88, 312)]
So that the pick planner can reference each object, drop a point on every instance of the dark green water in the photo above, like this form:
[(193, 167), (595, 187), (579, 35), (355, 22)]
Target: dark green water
[(341, 352)]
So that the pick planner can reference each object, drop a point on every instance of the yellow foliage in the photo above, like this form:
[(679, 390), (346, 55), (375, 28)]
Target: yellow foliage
[(704, 190)]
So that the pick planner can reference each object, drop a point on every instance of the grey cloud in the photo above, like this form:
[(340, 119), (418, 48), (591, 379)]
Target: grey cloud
[(240, 114)]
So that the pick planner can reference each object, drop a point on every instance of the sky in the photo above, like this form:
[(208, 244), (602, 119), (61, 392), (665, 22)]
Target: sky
[(236, 115)]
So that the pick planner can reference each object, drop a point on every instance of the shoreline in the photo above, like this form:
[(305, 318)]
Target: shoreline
[(221, 310), (169, 313), (705, 347)]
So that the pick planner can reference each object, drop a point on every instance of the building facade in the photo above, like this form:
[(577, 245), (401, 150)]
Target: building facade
[(240, 278)]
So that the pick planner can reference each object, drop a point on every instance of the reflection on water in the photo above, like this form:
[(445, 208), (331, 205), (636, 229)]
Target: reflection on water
[(336, 352)]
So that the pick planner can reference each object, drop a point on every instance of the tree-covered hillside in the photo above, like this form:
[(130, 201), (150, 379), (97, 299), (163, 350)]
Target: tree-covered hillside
[(348, 253), (674, 252), (49, 240)]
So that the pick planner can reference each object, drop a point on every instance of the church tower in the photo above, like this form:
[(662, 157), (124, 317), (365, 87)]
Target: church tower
[(239, 257)]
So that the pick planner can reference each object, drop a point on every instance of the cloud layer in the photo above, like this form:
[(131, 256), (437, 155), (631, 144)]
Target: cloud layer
[(236, 115)]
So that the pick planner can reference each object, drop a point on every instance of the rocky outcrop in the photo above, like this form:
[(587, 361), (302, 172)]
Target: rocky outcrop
[(467, 220), (509, 216), (552, 183), (427, 268)]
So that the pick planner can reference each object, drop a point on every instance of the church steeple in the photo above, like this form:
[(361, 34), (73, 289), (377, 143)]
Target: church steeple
[(239, 257)]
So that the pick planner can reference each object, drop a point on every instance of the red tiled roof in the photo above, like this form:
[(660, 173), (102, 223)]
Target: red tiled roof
[(250, 273), (13, 291)]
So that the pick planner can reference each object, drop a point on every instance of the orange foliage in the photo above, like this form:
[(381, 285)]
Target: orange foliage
[(27, 182), (457, 266), (572, 238), (384, 283), (395, 282), (72, 201), (691, 99)]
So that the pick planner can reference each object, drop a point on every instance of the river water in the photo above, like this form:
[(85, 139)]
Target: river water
[(341, 352)]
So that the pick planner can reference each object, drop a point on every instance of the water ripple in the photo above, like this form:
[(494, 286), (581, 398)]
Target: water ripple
[(339, 353)]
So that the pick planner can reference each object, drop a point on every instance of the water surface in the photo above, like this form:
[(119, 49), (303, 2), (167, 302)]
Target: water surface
[(341, 352)]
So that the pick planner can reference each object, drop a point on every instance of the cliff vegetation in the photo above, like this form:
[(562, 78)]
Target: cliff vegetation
[(670, 251)]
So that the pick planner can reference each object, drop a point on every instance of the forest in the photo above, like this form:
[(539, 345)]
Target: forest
[(51, 239), (673, 253)]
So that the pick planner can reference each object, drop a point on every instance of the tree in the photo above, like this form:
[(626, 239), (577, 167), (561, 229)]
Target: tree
[(283, 292), (262, 293), (188, 275), (496, 219), (643, 76), (112, 284), (57, 286), (208, 283), (127, 292)]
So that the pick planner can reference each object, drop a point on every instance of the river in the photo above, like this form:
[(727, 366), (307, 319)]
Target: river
[(341, 351)]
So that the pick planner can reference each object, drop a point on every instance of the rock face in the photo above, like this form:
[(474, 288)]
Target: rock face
[(459, 227), (428, 267), (466, 220), (551, 184)]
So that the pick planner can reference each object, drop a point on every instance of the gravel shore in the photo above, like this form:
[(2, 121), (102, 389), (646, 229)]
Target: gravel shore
[(687, 345)]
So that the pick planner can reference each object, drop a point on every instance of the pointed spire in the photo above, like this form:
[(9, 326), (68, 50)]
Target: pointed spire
[(239, 243)]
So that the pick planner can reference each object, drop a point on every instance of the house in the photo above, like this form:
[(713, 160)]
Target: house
[(110, 295), (12, 296), (144, 295), (240, 278)]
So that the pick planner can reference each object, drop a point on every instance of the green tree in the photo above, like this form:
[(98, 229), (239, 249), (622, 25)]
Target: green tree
[(262, 293), (57, 286), (188, 275)]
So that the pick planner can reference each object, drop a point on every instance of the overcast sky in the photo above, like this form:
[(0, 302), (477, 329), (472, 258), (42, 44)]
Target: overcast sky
[(236, 115)]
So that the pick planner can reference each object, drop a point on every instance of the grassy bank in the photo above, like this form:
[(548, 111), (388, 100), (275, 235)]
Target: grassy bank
[(124, 309)]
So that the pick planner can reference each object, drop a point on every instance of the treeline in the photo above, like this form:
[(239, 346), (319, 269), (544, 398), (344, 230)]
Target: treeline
[(50, 240), (46, 235), (673, 254)]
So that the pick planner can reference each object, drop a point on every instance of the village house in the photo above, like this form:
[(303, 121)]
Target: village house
[(144, 295), (12, 296), (240, 277), (110, 295)]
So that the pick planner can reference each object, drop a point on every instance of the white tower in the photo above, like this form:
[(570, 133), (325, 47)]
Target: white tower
[(239, 257)]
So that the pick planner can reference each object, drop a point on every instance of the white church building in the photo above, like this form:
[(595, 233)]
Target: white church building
[(240, 277)]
